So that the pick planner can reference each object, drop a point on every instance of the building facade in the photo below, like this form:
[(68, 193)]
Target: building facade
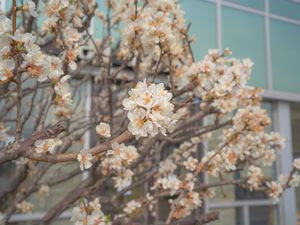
[(268, 32)]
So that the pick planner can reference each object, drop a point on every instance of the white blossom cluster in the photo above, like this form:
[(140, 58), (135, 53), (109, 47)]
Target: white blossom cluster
[(155, 34), (149, 110), (35, 63), (244, 141), (117, 160), (219, 81), (89, 213), (185, 205)]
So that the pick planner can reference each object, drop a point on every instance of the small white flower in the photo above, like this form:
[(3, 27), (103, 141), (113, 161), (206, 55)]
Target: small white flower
[(296, 163), (84, 158), (103, 129)]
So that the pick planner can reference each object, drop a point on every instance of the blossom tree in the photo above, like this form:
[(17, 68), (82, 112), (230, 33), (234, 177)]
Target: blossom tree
[(153, 108)]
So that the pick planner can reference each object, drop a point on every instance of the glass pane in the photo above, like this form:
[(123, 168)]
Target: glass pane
[(285, 56), (263, 215), (287, 8), (202, 15), (232, 216), (244, 33), (256, 4)]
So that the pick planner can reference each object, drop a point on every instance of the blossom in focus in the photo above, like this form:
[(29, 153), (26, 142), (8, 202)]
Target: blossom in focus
[(103, 129), (85, 158), (149, 110)]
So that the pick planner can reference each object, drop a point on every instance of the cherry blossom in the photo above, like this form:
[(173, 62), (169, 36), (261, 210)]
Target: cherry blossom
[(84, 158), (149, 110), (103, 129)]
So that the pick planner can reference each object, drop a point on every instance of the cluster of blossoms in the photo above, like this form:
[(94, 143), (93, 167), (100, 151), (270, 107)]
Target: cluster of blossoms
[(244, 141), (89, 213), (67, 16), (149, 110), (185, 205), (154, 32), (35, 63), (117, 160), (219, 81), (275, 189), (14, 43), (47, 145)]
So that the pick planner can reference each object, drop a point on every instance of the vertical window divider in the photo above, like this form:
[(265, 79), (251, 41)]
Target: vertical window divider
[(219, 24), (268, 45), (287, 205)]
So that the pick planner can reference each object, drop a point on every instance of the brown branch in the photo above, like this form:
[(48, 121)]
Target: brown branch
[(19, 149), (126, 136)]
